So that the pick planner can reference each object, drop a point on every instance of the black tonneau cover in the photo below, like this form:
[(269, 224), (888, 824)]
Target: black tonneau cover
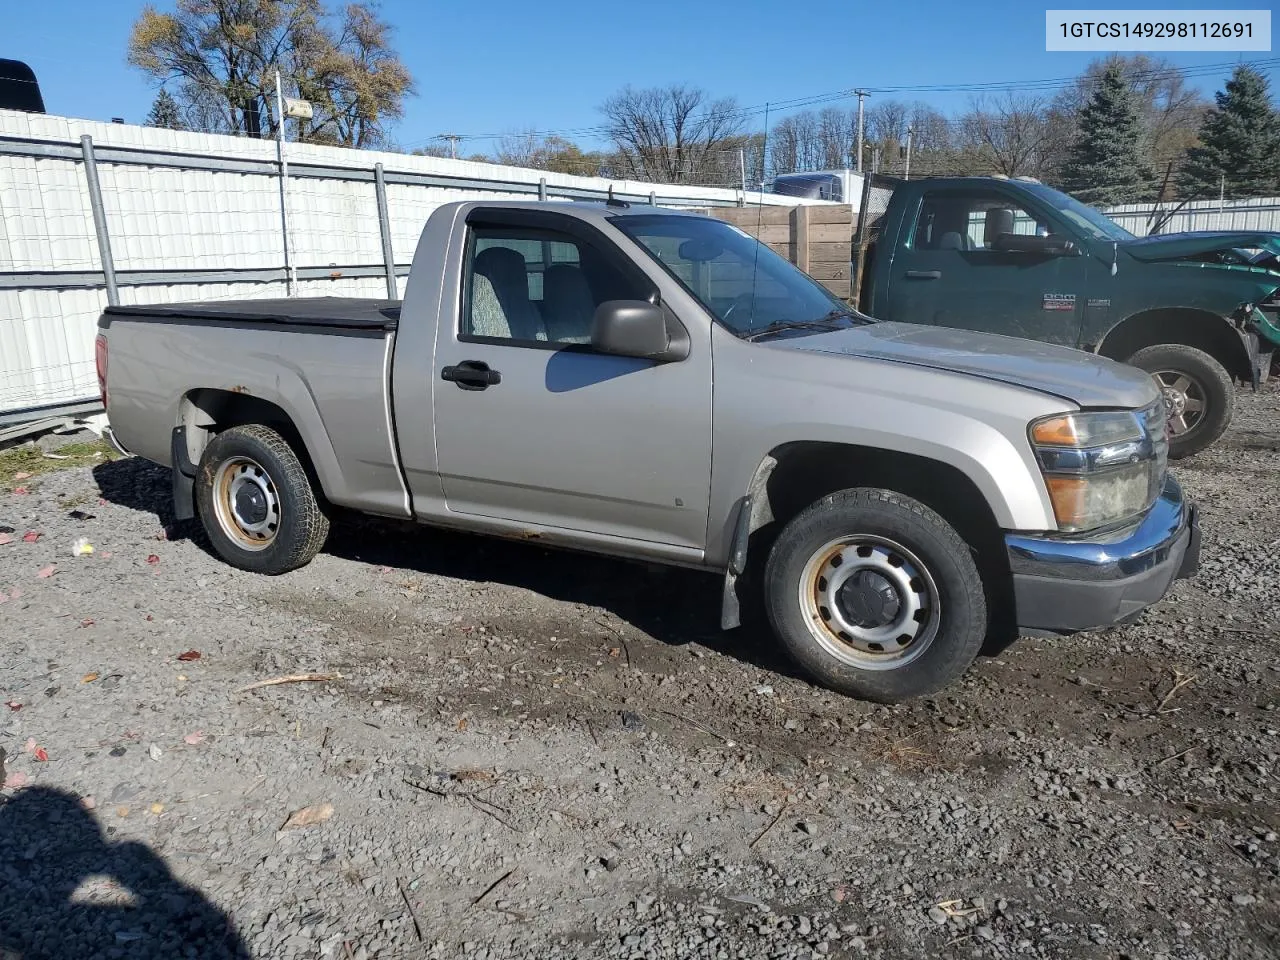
[(339, 313)]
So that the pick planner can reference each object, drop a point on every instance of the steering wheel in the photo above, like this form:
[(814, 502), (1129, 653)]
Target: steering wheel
[(742, 299)]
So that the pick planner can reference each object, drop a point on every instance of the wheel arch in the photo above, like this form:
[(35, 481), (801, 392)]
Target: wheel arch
[(204, 412), (796, 474), (1188, 326)]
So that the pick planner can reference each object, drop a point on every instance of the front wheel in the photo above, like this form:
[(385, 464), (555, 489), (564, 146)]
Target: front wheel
[(875, 595), (1199, 396), (256, 502)]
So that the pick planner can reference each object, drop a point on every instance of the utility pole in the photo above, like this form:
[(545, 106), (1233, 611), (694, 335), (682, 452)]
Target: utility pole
[(906, 173), (453, 139), (742, 165), (862, 95), (290, 269)]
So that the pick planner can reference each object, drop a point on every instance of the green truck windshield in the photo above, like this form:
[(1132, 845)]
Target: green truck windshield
[(1092, 223), (747, 287)]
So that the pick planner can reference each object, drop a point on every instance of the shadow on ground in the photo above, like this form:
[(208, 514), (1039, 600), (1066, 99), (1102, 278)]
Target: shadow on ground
[(132, 906), (670, 604)]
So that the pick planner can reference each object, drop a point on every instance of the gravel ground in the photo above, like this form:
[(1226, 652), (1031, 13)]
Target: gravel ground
[(532, 754)]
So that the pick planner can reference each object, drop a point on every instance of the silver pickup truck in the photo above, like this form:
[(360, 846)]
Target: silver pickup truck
[(657, 385)]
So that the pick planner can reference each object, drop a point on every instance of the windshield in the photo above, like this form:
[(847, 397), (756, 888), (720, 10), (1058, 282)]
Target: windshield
[(746, 286), (1093, 223)]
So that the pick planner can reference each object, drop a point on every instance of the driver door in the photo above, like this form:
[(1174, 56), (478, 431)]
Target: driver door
[(952, 272), (562, 435)]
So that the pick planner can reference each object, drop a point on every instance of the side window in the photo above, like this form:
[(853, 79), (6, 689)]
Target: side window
[(536, 286), (969, 222)]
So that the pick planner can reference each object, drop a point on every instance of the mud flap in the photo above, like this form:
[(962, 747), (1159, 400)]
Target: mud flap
[(730, 606), (184, 476)]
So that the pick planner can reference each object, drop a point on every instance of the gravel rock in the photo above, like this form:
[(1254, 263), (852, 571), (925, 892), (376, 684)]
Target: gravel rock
[(505, 781)]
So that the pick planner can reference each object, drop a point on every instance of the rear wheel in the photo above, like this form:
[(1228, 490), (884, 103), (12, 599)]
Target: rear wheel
[(875, 595), (1199, 396), (256, 502)]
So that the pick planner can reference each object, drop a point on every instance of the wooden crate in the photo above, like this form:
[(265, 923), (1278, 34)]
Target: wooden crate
[(817, 239)]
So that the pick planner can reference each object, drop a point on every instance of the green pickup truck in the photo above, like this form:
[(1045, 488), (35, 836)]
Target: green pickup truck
[(1012, 256)]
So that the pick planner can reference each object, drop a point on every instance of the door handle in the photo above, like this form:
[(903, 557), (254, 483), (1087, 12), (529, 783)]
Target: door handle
[(924, 274), (471, 375)]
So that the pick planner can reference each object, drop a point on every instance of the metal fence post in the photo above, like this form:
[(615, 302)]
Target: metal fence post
[(653, 199), (384, 227), (99, 219), (542, 188)]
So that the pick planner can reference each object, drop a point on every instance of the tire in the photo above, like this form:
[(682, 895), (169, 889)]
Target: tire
[(256, 502), (916, 555), (1186, 376)]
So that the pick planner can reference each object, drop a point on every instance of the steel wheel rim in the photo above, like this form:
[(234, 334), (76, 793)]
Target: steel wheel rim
[(246, 503), (1185, 402), (870, 566)]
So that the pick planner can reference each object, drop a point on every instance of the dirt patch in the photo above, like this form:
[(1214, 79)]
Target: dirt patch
[(536, 754)]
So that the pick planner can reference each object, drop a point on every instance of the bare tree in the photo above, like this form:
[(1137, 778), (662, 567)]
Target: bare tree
[(540, 152), (887, 121), (674, 134), (222, 55), (1010, 133)]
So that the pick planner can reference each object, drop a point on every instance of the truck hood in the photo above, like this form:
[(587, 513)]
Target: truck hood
[(1082, 378), (1181, 246)]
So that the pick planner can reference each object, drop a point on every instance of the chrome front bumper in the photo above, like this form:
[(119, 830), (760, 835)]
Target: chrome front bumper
[(1062, 585)]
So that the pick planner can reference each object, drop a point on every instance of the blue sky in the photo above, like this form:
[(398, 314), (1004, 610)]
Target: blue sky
[(495, 66)]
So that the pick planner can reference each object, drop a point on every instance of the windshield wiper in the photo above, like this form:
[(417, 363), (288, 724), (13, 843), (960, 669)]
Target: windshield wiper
[(826, 322), (778, 326), (847, 313)]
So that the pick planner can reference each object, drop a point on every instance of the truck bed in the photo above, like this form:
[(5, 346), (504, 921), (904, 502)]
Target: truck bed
[(339, 313)]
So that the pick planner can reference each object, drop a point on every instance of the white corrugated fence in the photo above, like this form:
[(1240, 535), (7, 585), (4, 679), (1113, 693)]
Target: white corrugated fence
[(192, 216)]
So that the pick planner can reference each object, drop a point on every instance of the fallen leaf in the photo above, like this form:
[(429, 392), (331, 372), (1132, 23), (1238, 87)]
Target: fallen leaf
[(309, 816), (88, 803), (154, 752), (15, 780), (88, 622), (191, 739), (80, 515), (157, 808), (41, 754), (13, 705), (152, 559), (22, 475), (89, 678), (31, 536), (48, 571), (21, 491), (122, 811), (189, 656), (82, 548), (615, 651), (384, 569), (462, 724), (5, 538)]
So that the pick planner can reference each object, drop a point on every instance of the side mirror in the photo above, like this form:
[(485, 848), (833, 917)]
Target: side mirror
[(1050, 246), (631, 328)]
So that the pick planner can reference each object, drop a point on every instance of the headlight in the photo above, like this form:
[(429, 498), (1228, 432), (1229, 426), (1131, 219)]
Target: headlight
[(1101, 467)]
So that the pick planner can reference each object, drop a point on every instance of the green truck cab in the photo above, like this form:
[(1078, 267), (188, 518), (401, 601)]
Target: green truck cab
[(1198, 311)]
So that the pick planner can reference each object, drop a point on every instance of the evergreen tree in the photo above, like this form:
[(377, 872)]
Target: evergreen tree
[(1239, 151), (164, 112), (1105, 164)]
